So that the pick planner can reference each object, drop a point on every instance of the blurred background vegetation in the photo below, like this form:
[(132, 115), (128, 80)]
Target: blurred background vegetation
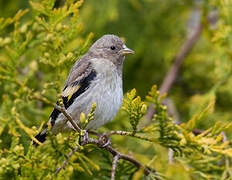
[(156, 31)]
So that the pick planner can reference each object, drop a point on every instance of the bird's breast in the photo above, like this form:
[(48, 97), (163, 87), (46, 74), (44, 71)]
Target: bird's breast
[(107, 93)]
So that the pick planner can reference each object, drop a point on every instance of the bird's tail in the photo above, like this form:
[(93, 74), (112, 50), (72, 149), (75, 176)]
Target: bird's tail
[(41, 137)]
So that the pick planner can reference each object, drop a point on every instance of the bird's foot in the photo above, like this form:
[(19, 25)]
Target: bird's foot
[(104, 140)]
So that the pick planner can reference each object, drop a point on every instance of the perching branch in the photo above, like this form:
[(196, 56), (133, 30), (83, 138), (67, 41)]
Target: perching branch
[(103, 145), (86, 140)]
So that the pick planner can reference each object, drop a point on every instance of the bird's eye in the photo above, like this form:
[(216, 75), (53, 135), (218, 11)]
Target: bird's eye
[(112, 47)]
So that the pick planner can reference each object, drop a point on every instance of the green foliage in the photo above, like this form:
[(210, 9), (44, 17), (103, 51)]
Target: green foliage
[(135, 109), (38, 46), (84, 122), (37, 50)]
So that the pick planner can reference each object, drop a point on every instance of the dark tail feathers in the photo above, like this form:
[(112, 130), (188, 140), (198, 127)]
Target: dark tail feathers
[(41, 137)]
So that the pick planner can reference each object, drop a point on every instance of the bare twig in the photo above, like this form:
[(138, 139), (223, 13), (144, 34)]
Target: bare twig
[(131, 134), (118, 133), (114, 152), (125, 133), (114, 165), (175, 68), (43, 99), (66, 161), (69, 118)]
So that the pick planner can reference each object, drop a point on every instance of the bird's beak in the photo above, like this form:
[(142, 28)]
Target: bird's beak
[(126, 50)]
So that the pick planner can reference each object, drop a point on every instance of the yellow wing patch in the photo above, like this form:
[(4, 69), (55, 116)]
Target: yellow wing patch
[(69, 97), (70, 90)]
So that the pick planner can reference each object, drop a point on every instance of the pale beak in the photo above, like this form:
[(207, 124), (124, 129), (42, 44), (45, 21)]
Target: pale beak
[(126, 50)]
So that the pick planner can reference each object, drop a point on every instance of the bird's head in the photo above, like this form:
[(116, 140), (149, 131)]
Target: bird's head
[(110, 47)]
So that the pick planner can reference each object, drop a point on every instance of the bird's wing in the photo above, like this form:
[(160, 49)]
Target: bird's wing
[(77, 83), (79, 72)]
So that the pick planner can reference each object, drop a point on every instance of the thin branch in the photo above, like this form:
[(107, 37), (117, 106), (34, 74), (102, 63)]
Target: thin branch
[(87, 140), (66, 161), (43, 99), (124, 133), (69, 118), (114, 165), (171, 76), (114, 152), (131, 134), (184, 51)]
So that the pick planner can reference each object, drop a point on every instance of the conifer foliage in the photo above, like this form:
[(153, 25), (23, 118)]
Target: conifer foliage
[(39, 45)]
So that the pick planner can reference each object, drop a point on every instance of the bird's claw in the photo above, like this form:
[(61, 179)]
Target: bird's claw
[(104, 141)]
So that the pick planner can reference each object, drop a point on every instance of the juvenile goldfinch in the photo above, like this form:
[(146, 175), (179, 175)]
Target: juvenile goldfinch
[(95, 78)]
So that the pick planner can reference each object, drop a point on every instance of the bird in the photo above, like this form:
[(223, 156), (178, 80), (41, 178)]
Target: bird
[(96, 77)]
